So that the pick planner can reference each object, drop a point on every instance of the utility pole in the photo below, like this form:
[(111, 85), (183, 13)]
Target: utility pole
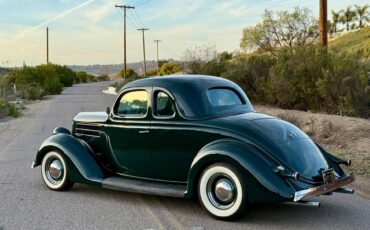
[(143, 30), (47, 45), (157, 41), (124, 7), (323, 19)]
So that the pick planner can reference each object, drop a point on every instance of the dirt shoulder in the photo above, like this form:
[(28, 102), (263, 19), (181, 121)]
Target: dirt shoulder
[(14, 126), (346, 137)]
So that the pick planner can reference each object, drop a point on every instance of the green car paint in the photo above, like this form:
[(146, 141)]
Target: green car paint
[(175, 149)]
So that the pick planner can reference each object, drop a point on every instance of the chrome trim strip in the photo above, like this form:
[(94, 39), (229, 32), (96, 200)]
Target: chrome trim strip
[(88, 130), (316, 191), (88, 135)]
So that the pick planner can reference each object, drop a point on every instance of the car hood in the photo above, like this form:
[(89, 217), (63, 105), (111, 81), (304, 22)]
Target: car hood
[(91, 117), (280, 139)]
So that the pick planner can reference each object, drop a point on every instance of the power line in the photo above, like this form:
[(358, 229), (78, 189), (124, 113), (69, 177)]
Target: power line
[(142, 3), (143, 30), (135, 20), (124, 7)]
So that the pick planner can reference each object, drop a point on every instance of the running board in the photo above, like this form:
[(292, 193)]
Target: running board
[(153, 188)]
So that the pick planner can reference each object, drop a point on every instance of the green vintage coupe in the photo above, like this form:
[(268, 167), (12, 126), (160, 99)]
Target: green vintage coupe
[(191, 136)]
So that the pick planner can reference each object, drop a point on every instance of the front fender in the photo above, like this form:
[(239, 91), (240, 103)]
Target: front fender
[(265, 184), (82, 165)]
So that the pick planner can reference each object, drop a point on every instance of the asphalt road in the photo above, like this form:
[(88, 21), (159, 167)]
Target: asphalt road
[(26, 203)]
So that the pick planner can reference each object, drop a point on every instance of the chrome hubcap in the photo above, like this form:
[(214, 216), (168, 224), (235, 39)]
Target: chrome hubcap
[(221, 191), (224, 190), (54, 170)]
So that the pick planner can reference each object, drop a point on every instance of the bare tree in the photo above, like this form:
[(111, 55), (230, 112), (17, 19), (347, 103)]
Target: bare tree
[(281, 29)]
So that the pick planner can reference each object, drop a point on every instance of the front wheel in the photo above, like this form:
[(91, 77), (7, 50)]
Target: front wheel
[(222, 192), (54, 172)]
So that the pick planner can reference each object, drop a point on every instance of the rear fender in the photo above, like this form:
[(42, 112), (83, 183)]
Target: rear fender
[(83, 167), (265, 184)]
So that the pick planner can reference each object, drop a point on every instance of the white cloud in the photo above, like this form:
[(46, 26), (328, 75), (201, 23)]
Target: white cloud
[(102, 11), (59, 16)]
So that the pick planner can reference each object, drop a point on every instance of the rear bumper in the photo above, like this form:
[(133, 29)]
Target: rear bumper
[(322, 189)]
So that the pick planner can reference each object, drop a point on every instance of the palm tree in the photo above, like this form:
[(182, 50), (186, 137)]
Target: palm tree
[(347, 16), (335, 17), (362, 14)]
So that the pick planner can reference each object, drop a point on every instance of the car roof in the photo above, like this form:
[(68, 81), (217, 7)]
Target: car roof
[(172, 81), (189, 91)]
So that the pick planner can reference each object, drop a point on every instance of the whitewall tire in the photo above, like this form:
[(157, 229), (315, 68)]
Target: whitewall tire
[(222, 192), (54, 171)]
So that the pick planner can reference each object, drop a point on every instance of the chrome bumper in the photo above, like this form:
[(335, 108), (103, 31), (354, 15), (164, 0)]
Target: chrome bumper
[(322, 189)]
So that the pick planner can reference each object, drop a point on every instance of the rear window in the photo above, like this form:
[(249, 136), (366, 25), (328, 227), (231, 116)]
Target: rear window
[(218, 97)]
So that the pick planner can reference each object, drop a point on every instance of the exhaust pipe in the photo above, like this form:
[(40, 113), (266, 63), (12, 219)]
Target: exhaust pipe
[(344, 190)]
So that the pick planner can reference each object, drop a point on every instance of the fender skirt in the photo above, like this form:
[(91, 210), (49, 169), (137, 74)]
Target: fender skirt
[(82, 166), (263, 184)]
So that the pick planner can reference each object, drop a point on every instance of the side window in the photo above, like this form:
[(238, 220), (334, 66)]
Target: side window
[(133, 104), (165, 106)]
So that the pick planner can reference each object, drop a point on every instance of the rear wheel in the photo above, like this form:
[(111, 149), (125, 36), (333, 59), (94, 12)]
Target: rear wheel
[(222, 192), (54, 172)]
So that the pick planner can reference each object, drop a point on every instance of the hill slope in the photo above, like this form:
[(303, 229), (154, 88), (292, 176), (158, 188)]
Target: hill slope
[(353, 42)]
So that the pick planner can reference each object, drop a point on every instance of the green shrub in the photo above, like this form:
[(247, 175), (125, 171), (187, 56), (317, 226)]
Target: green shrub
[(84, 77), (66, 76), (312, 78), (8, 109), (130, 73), (251, 72), (35, 92), (103, 77), (169, 68), (3, 107), (13, 111)]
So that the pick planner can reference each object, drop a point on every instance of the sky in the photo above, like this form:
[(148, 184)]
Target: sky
[(91, 31)]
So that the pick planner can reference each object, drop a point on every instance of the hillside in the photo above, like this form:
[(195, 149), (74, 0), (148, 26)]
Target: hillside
[(353, 41)]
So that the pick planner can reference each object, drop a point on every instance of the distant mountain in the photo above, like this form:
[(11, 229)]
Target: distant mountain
[(113, 69)]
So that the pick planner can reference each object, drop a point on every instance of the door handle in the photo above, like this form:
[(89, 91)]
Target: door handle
[(143, 131)]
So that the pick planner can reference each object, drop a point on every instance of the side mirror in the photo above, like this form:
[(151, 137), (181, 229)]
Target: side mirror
[(108, 110)]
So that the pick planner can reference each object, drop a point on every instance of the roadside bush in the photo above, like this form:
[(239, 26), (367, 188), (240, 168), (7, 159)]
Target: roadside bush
[(42, 76), (8, 109), (308, 78), (84, 77), (103, 77), (251, 73), (314, 79), (81, 76), (130, 73), (3, 107), (169, 68), (34, 92), (66, 76), (13, 111)]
